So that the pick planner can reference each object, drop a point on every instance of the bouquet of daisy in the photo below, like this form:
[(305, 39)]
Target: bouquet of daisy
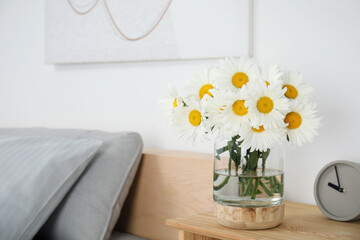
[(253, 107)]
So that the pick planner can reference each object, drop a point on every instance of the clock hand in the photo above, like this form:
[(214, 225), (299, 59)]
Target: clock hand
[(337, 175), (337, 188)]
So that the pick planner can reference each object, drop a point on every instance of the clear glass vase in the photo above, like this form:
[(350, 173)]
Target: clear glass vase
[(247, 179)]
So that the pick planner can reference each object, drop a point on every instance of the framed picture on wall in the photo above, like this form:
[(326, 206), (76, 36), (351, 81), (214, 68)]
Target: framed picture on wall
[(84, 31)]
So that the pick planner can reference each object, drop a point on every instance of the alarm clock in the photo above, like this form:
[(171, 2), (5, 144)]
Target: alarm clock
[(337, 190)]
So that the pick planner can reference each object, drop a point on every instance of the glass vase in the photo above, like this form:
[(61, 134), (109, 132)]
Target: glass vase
[(247, 179)]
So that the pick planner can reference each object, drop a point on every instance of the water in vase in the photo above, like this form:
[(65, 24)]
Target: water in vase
[(257, 189)]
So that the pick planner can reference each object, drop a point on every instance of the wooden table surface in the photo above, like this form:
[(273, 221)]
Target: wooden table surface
[(301, 221)]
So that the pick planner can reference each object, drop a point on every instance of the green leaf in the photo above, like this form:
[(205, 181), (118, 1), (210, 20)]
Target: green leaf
[(233, 156), (238, 150), (253, 161), (266, 154), (235, 137), (221, 150)]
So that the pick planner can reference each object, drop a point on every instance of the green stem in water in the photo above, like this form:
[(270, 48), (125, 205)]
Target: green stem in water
[(272, 185), (222, 184), (278, 186), (216, 176), (241, 182), (268, 192), (276, 181), (253, 195), (247, 187)]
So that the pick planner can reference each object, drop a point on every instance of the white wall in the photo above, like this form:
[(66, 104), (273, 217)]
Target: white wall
[(319, 38)]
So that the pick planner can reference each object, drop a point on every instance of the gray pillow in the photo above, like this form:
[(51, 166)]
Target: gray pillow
[(35, 175), (92, 207)]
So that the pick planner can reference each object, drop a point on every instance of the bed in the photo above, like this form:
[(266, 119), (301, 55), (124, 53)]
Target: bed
[(119, 191)]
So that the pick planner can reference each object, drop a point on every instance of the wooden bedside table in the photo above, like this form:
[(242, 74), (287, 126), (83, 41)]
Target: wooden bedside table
[(301, 221)]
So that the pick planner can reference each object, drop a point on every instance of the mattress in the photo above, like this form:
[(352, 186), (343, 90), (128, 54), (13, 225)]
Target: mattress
[(124, 236)]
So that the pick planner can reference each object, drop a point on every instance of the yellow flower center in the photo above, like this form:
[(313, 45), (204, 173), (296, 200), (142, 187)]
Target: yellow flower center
[(175, 103), (267, 83), (258, 130), (293, 119), (239, 108), (265, 105), (195, 117), (239, 79), (205, 90), (291, 91)]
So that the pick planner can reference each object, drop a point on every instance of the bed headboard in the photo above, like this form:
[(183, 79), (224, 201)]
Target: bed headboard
[(168, 184)]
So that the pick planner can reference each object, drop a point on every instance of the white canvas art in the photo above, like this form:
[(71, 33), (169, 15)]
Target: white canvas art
[(188, 30)]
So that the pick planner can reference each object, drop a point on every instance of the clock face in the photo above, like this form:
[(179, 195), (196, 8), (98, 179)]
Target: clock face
[(337, 190)]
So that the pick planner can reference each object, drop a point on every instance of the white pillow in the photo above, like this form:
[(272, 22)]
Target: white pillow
[(35, 175)]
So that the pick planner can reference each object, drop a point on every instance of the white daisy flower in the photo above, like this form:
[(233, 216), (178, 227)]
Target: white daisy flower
[(295, 88), (272, 75), (200, 85), (212, 109), (261, 138), (267, 105), (302, 123), (188, 121), (232, 75), (235, 113), (171, 99)]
